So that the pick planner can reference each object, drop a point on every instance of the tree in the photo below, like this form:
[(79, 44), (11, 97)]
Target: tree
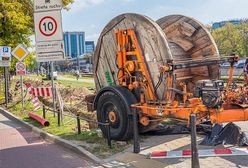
[(16, 22), (232, 39), (88, 57)]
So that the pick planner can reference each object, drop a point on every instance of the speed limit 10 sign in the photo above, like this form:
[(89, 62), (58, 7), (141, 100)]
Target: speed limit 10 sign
[(48, 26)]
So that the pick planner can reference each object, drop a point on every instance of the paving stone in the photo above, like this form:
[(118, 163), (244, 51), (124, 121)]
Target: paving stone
[(19, 148)]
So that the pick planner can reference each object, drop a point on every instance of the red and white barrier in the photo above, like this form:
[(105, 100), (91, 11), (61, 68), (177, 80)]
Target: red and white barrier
[(28, 87), (202, 153), (36, 92), (42, 91), (36, 103), (18, 85)]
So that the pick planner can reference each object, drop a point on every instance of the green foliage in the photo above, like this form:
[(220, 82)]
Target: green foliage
[(17, 25), (16, 22), (232, 39), (67, 2)]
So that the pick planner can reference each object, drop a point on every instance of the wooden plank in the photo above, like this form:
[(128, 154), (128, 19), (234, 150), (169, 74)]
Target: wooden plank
[(101, 73), (183, 72), (201, 44), (209, 50), (173, 25), (173, 19), (199, 33), (182, 42), (109, 61), (186, 29), (178, 52)]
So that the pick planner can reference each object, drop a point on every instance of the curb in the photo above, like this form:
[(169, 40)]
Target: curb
[(53, 138)]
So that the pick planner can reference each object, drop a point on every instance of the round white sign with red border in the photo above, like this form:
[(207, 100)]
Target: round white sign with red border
[(20, 68), (48, 26)]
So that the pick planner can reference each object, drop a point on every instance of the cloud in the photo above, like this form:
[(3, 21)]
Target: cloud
[(82, 4), (128, 1), (92, 37)]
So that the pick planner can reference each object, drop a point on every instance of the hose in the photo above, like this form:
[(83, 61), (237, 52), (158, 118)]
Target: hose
[(160, 80)]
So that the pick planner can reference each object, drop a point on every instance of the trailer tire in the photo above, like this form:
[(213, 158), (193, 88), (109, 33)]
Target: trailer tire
[(121, 126)]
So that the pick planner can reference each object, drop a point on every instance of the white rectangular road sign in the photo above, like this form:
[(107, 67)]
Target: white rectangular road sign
[(47, 5), (5, 56), (48, 26), (50, 51), (4, 63)]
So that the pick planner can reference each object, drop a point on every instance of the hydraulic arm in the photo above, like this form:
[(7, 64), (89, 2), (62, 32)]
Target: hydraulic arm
[(210, 99)]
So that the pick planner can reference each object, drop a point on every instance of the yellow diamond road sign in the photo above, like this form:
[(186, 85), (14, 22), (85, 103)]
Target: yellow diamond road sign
[(20, 52)]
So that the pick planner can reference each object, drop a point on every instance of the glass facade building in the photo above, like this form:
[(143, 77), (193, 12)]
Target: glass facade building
[(89, 46), (217, 25), (74, 44)]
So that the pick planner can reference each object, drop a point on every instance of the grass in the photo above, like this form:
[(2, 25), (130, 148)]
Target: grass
[(2, 99), (89, 139), (65, 83), (32, 77), (73, 77), (70, 128), (75, 84), (234, 77)]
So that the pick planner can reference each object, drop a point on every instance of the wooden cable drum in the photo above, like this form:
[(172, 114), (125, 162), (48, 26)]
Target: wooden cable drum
[(190, 40), (151, 39), (176, 37)]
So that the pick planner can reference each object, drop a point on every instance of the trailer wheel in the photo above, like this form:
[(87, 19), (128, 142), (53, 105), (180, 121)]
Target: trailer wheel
[(112, 107)]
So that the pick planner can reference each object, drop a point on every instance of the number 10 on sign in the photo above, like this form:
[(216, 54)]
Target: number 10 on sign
[(48, 26)]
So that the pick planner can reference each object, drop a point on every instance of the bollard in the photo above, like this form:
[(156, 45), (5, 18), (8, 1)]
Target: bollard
[(44, 111), (59, 118), (136, 143), (6, 87), (194, 146), (78, 124), (109, 134)]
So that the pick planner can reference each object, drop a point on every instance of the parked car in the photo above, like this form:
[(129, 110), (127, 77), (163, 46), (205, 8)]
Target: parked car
[(55, 76), (85, 70), (240, 64), (225, 65)]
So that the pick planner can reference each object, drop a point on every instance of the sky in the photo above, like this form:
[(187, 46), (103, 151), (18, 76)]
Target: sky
[(91, 16)]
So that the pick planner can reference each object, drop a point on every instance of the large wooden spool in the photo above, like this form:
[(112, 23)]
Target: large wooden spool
[(151, 39), (178, 38), (190, 40)]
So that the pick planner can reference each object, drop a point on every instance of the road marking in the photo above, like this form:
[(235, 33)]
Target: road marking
[(202, 153)]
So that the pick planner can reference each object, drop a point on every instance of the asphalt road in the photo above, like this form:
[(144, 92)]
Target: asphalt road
[(20, 148)]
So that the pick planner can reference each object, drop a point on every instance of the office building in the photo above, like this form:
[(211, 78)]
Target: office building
[(74, 44), (89, 46), (217, 25)]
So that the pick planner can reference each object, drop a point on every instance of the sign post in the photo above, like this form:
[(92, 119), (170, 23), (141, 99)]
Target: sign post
[(49, 35), (6, 69), (20, 52), (5, 58), (21, 70)]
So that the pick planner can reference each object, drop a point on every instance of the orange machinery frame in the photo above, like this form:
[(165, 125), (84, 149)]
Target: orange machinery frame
[(130, 61)]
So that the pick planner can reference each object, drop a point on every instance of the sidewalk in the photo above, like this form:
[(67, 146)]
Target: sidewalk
[(149, 144), (19, 148)]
